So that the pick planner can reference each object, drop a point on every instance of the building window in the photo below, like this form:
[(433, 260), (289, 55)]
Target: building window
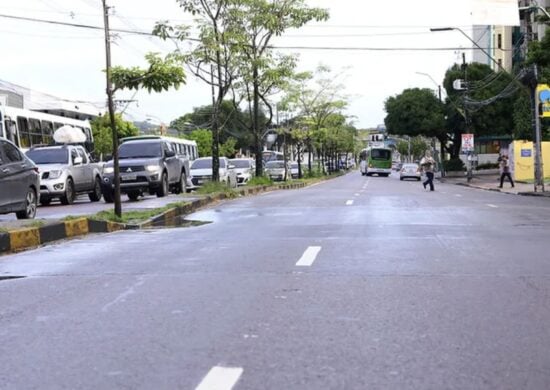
[(499, 43)]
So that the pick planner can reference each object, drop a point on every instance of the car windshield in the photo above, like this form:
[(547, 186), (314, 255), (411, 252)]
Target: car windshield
[(241, 163), (202, 164), (294, 166), (49, 156), (140, 150), (275, 164), (380, 154)]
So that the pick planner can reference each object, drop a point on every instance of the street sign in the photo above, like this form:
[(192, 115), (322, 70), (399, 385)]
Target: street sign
[(543, 97), (467, 142)]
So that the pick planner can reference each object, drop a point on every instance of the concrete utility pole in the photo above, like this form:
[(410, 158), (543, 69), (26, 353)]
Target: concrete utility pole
[(533, 83), (111, 105)]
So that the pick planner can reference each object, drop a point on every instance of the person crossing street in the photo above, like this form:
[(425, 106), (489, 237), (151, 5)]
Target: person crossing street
[(428, 164)]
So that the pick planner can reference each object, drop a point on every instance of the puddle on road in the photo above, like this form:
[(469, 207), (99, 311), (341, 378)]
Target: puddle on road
[(178, 222), (11, 277)]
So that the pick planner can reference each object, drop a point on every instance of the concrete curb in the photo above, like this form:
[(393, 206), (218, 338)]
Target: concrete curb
[(29, 238)]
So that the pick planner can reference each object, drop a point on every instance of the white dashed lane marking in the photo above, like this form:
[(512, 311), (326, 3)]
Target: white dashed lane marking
[(349, 202), (309, 256), (492, 205), (220, 378)]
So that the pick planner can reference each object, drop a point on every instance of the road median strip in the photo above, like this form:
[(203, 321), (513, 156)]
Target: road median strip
[(23, 238)]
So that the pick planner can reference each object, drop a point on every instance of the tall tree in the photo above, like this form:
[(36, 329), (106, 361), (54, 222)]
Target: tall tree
[(314, 97), (254, 24), (212, 59), (101, 128)]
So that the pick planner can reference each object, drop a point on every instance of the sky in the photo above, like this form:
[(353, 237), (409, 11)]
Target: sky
[(68, 62)]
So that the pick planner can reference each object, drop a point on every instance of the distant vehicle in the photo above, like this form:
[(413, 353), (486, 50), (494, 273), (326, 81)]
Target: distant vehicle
[(19, 182), (65, 172), (410, 171), (26, 128), (146, 166), (396, 165), (275, 170), (244, 168), (376, 161), (294, 170), (201, 171), (271, 155)]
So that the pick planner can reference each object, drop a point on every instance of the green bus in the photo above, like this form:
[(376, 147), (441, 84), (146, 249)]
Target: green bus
[(376, 161)]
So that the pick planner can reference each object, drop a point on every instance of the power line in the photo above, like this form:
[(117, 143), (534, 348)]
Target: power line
[(329, 48)]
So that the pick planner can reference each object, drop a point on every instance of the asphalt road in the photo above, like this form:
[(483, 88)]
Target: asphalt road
[(355, 283)]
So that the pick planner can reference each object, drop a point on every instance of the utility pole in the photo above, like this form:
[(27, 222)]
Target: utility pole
[(466, 117), (533, 83), (111, 105)]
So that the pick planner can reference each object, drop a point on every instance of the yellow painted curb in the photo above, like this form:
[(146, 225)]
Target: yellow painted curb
[(76, 227), (113, 227), (21, 239)]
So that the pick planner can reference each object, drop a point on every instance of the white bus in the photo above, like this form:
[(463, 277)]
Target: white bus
[(27, 128)]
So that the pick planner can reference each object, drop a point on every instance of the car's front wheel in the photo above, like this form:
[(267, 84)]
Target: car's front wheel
[(31, 203), (163, 189), (68, 197)]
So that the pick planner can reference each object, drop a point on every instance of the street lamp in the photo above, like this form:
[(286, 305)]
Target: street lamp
[(498, 64), (162, 126)]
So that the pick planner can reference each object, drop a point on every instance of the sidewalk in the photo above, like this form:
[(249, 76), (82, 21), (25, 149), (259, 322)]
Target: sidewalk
[(491, 182)]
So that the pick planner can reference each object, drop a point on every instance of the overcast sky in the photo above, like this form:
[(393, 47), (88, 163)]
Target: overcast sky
[(68, 62)]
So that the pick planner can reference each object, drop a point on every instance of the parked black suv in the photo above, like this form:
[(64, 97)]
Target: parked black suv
[(146, 166), (19, 182)]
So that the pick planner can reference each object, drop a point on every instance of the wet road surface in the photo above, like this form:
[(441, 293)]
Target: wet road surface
[(354, 283)]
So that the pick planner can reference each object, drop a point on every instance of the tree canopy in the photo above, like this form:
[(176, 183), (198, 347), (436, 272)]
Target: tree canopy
[(101, 129)]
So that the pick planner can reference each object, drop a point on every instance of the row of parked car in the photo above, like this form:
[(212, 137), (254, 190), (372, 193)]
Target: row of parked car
[(148, 165)]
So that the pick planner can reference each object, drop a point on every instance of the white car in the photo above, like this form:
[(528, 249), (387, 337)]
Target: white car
[(275, 170), (294, 170), (244, 168), (411, 171), (201, 172)]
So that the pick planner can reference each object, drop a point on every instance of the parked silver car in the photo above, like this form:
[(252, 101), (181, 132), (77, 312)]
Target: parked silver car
[(19, 182), (411, 171), (275, 170)]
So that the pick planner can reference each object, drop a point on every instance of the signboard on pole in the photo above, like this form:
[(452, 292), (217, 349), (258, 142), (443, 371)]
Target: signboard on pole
[(467, 142), (543, 100)]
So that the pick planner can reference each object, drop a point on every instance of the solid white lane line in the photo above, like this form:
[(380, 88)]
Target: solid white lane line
[(492, 205), (349, 202), (309, 256), (220, 378)]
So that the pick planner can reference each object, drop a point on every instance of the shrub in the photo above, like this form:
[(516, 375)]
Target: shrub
[(454, 164), (487, 166), (260, 181)]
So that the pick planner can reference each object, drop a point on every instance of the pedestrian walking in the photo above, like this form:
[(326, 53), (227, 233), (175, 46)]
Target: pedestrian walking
[(428, 164), (505, 171)]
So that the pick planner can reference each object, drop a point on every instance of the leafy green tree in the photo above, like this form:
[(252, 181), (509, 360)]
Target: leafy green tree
[(211, 59), (418, 147), (254, 23), (317, 102), (235, 123), (203, 138), (101, 128)]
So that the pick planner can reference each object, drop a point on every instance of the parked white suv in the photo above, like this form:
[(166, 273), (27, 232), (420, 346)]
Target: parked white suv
[(201, 172)]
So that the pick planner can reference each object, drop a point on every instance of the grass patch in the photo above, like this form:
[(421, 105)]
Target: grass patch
[(135, 216), (211, 188), (260, 181)]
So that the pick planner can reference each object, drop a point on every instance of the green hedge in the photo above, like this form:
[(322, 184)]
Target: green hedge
[(454, 164)]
